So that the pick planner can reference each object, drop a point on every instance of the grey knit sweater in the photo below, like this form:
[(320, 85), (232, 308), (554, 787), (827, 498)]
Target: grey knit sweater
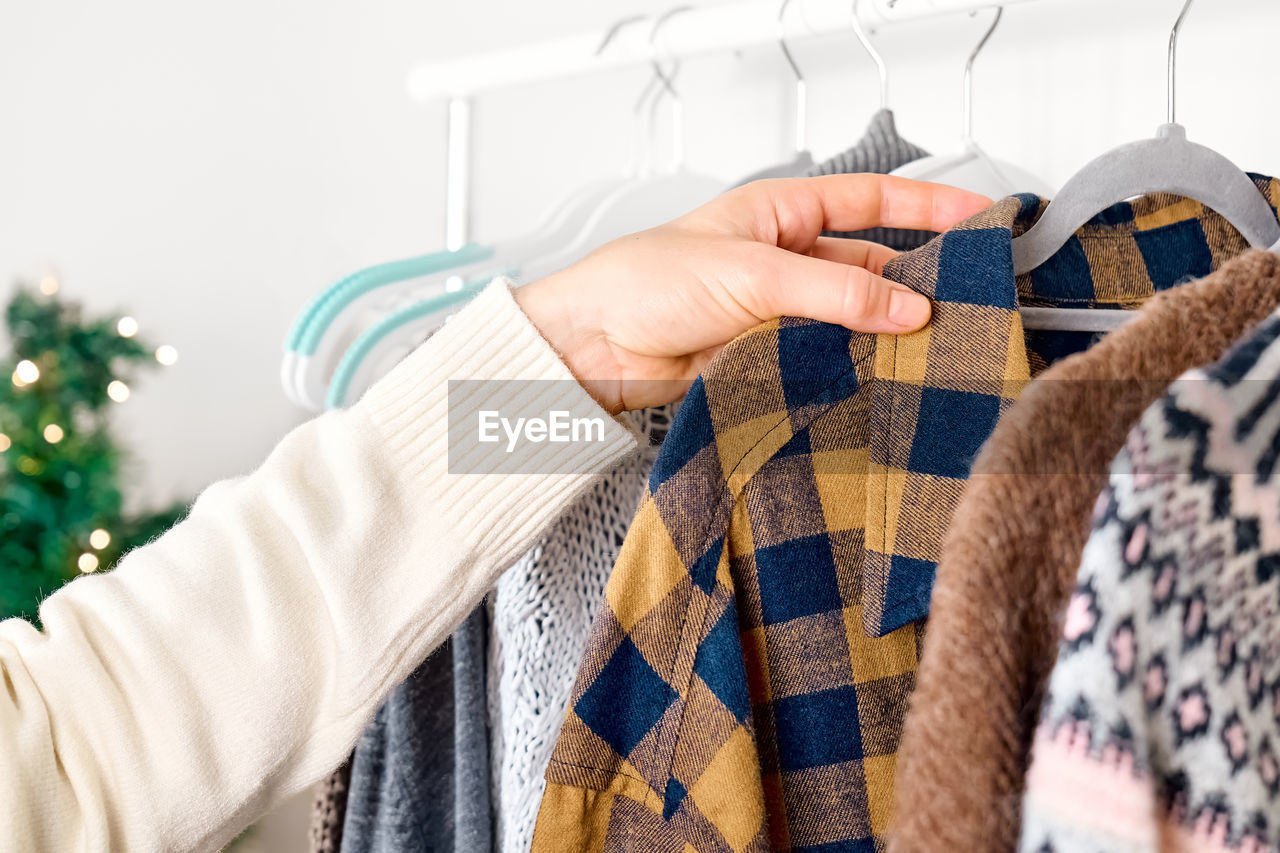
[(880, 151)]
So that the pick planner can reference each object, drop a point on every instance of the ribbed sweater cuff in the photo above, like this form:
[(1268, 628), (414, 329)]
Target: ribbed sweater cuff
[(509, 367)]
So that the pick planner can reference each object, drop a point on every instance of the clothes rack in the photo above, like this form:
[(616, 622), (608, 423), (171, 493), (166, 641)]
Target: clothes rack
[(693, 32)]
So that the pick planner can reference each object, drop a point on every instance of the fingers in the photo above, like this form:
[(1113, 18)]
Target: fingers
[(792, 212), (858, 253), (834, 292)]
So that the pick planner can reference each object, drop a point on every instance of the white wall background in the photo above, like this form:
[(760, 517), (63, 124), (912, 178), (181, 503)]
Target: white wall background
[(209, 167)]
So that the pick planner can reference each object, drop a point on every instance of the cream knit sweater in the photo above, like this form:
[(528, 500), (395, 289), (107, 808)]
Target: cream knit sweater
[(235, 660)]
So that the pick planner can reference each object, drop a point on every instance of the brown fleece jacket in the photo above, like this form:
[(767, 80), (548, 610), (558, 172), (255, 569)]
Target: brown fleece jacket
[(1011, 554)]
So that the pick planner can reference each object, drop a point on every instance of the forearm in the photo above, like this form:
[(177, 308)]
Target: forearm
[(236, 659)]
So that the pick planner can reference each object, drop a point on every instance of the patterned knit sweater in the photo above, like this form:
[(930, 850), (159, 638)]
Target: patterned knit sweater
[(880, 150), (1161, 730)]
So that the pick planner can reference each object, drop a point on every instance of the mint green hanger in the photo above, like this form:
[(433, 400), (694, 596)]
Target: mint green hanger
[(359, 351), (311, 324)]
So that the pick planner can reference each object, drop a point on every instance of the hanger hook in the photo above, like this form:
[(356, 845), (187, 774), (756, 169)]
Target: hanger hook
[(612, 33), (881, 66), (801, 90), (1173, 61), (666, 78), (637, 159), (968, 76), (615, 29)]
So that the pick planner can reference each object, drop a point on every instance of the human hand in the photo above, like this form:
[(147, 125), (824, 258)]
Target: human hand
[(639, 318)]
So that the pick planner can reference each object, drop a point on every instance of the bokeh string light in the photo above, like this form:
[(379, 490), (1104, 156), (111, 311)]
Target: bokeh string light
[(118, 391), (25, 373)]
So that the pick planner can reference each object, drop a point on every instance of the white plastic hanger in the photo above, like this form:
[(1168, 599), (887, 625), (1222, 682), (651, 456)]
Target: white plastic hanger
[(644, 203), (1168, 163), (973, 169)]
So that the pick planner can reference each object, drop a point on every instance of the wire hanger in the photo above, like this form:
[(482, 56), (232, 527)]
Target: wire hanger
[(973, 169), (882, 67), (801, 92), (667, 87), (1169, 163), (801, 160)]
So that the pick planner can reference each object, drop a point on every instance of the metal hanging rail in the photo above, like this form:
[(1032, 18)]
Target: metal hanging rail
[(697, 31)]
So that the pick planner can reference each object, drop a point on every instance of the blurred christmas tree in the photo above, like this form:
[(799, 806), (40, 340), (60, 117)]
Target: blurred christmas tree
[(61, 508)]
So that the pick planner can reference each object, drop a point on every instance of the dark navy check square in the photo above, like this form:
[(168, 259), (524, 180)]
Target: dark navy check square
[(626, 700), (816, 729), (797, 578), (950, 431), (719, 665)]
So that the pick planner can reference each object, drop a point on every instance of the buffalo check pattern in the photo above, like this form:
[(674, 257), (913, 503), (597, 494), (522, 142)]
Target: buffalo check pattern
[(744, 688)]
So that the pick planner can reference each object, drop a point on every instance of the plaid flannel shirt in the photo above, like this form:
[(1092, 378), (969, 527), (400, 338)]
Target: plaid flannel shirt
[(745, 686)]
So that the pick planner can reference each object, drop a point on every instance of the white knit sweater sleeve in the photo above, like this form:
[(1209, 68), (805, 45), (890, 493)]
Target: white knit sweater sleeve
[(236, 659)]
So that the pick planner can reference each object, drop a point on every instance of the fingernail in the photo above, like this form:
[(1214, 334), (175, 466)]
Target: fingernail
[(908, 309)]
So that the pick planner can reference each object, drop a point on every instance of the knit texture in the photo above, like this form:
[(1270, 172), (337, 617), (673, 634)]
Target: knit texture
[(398, 763), (403, 770), (880, 151), (1015, 542), (472, 802), (1162, 724), (329, 810), (541, 615), (745, 686)]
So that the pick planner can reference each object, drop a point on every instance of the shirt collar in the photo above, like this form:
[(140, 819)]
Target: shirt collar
[(939, 392)]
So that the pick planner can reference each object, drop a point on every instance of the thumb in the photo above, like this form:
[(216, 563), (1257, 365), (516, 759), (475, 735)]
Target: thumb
[(832, 292)]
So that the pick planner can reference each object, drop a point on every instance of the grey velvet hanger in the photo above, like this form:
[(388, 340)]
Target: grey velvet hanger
[(1168, 163)]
